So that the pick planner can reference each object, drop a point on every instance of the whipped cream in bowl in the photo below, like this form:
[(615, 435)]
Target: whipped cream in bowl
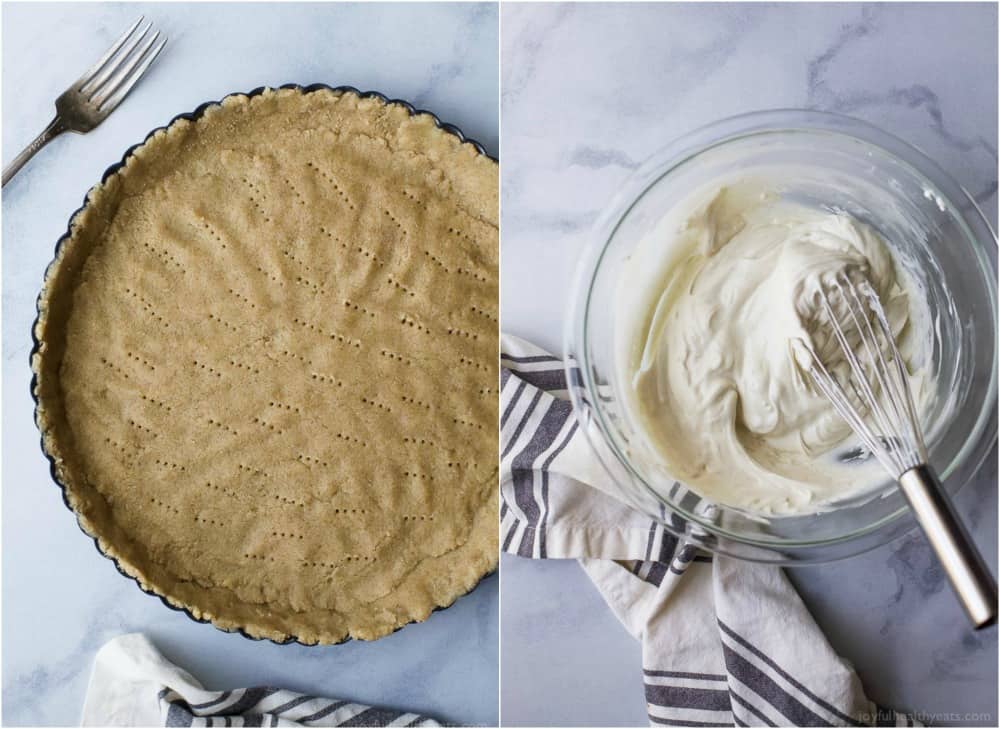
[(716, 388), (705, 270)]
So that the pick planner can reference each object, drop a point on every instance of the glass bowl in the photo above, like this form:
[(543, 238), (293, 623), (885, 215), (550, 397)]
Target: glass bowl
[(829, 161)]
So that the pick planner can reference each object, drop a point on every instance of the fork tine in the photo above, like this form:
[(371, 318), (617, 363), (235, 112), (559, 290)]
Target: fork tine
[(132, 78), (91, 72), (112, 68), (122, 71)]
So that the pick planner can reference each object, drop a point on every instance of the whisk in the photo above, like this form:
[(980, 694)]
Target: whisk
[(872, 393)]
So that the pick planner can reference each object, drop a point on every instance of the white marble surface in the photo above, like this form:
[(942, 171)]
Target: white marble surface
[(61, 599), (588, 91)]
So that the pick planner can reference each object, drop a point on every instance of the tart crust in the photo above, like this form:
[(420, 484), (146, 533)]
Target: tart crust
[(266, 366)]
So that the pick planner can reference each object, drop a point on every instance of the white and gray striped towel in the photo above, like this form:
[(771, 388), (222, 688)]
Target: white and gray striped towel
[(724, 643), (133, 685)]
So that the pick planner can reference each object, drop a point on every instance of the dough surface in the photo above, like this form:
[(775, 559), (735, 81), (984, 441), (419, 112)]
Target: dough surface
[(267, 365)]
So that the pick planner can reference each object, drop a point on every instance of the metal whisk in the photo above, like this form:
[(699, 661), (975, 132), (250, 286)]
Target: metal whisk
[(872, 393)]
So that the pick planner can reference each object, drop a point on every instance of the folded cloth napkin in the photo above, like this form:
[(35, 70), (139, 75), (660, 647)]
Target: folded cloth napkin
[(133, 685), (724, 642)]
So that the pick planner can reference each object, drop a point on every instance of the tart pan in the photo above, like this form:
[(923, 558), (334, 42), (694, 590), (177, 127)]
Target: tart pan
[(193, 116)]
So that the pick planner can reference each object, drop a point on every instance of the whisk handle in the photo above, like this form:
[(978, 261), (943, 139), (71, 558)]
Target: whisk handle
[(964, 565)]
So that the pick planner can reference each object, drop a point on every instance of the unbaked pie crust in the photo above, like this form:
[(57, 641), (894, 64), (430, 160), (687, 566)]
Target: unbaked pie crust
[(266, 369)]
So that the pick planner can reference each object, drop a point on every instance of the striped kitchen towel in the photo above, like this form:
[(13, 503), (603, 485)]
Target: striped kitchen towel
[(724, 642), (133, 685)]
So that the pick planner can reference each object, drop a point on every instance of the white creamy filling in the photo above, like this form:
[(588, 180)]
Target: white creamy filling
[(712, 379)]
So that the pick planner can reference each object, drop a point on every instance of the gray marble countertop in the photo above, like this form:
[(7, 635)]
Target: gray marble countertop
[(588, 91), (61, 599)]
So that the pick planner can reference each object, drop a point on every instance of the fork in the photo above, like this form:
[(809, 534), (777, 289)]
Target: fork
[(97, 93)]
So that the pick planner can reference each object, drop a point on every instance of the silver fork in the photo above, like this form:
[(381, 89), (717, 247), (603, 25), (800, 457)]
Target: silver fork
[(99, 91)]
